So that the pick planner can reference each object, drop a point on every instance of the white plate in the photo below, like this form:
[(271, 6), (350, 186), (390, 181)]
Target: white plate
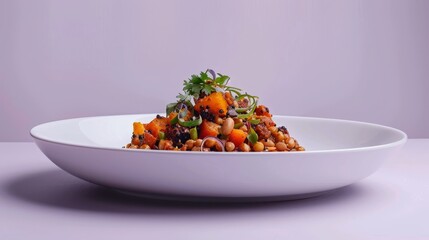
[(339, 153)]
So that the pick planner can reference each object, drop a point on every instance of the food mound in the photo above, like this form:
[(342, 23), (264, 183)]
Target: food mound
[(212, 116)]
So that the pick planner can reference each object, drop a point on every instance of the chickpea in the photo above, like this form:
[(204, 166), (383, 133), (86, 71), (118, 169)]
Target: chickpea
[(134, 146), (229, 98), (297, 144), (161, 145), (235, 104), (135, 141), (227, 126), (281, 146), (196, 149), (168, 145), (244, 128), (238, 120), (291, 143), (209, 143), (280, 137), (244, 147), (273, 129), (301, 148), (144, 146), (190, 144), (275, 134), (258, 147), (219, 120), (269, 143), (198, 142), (272, 149), (229, 146), (218, 147)]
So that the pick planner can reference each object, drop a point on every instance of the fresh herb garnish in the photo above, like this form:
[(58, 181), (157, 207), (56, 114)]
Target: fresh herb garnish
[(252, 136), (202, 83), (191, 123), (254, 121)]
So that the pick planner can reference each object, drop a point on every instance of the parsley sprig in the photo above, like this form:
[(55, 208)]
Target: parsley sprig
[(202, 83), (197, 85)]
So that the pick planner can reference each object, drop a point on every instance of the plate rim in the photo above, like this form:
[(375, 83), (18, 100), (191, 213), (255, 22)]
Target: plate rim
[(399, 142)]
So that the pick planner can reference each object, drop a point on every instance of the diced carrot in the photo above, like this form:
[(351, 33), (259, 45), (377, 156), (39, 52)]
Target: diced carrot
[(138, 128), (215, 102), (156, 125), (149, 139), (208, 128), (135, 140), (171, 116), (237, 136)]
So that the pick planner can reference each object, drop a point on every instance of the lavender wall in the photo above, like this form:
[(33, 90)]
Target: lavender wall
[(360, 60)]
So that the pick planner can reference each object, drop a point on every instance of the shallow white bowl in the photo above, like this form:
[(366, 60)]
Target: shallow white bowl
[(339, 153)]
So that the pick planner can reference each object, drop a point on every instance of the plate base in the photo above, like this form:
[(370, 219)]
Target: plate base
[(182, 198)]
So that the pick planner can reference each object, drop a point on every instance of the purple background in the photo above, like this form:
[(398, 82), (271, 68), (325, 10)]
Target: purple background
[(359, 60)]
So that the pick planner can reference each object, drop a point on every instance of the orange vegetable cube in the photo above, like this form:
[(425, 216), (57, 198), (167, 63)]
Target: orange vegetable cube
[(149, 139), (237, 136), (138, 128), (215, 102), (171, 116), (208, 128), (157, 125)]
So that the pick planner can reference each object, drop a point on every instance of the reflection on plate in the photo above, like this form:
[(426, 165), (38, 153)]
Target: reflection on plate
[(338, 153)]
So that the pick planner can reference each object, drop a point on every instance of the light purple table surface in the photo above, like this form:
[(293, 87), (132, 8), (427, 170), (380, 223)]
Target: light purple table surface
[(40, 201)]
